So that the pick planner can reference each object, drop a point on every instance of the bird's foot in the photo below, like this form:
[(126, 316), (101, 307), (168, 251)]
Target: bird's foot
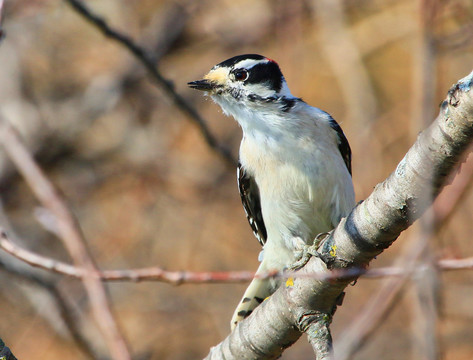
[(307, 251)]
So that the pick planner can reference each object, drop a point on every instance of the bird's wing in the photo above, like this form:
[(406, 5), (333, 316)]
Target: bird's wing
[(343, 144), (250, 198)]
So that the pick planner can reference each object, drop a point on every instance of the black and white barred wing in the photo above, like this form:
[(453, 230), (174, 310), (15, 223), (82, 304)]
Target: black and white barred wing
[(250, 198), (343, 144)]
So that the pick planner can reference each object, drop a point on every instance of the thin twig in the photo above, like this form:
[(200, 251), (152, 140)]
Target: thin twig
[(149, 274), (71, 235), (1, 20), (147, 61), (208, 277)]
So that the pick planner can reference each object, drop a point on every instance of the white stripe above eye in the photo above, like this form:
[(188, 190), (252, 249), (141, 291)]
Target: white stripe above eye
[(249, 63)]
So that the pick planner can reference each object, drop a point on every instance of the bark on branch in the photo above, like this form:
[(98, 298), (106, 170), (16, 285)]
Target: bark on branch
[(304, 304)]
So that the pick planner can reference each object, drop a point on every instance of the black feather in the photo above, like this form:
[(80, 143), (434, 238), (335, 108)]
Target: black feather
[(250, 199), (236, 59), (267, 73), (343, 144)]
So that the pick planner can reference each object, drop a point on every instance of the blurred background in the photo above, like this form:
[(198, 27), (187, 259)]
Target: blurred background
[(148, 190)]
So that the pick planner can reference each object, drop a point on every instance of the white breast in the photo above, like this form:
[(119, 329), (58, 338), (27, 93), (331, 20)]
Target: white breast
[(305, 187)]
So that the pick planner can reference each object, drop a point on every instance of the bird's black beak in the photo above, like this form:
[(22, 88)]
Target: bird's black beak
[(204, 85)]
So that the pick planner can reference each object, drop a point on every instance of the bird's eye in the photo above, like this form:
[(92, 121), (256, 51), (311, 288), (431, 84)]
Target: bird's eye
[(241, 75)]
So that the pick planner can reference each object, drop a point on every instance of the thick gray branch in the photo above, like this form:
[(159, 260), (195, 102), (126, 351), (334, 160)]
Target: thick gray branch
[(369, 229)]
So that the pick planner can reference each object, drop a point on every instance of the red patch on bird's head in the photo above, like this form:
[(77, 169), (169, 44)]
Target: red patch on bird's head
[(271, 60)]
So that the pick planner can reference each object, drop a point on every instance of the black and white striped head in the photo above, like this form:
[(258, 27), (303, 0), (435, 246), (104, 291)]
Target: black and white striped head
[(246, 79)]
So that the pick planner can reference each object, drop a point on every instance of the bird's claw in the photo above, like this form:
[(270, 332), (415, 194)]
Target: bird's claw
[(307, 251)]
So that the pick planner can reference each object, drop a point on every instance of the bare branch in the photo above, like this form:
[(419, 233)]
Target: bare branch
[(71, 236), (368, 230), (148, 62), (208, 277), (318, 333), (1, 18), (149, 274), (378, 308)]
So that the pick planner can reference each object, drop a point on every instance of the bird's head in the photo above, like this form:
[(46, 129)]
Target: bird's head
[(245, 81)]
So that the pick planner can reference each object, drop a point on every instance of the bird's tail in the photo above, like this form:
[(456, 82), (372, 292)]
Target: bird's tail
[(255, 294)]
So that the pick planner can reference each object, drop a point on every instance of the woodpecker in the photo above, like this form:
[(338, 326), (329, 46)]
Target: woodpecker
[(294, 171)]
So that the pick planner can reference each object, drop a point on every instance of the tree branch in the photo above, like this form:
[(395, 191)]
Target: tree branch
[(1, 19), (368, 230), (148, 62), (180, 277), (358, 331), (71, 235)]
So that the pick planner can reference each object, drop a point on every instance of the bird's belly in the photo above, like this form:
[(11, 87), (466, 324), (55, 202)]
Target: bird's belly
[(295, 209), (300, 197)]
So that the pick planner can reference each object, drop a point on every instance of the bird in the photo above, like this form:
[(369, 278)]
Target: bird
[(294, 171)]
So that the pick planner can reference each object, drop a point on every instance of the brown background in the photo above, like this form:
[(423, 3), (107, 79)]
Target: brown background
[(147, 189)]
